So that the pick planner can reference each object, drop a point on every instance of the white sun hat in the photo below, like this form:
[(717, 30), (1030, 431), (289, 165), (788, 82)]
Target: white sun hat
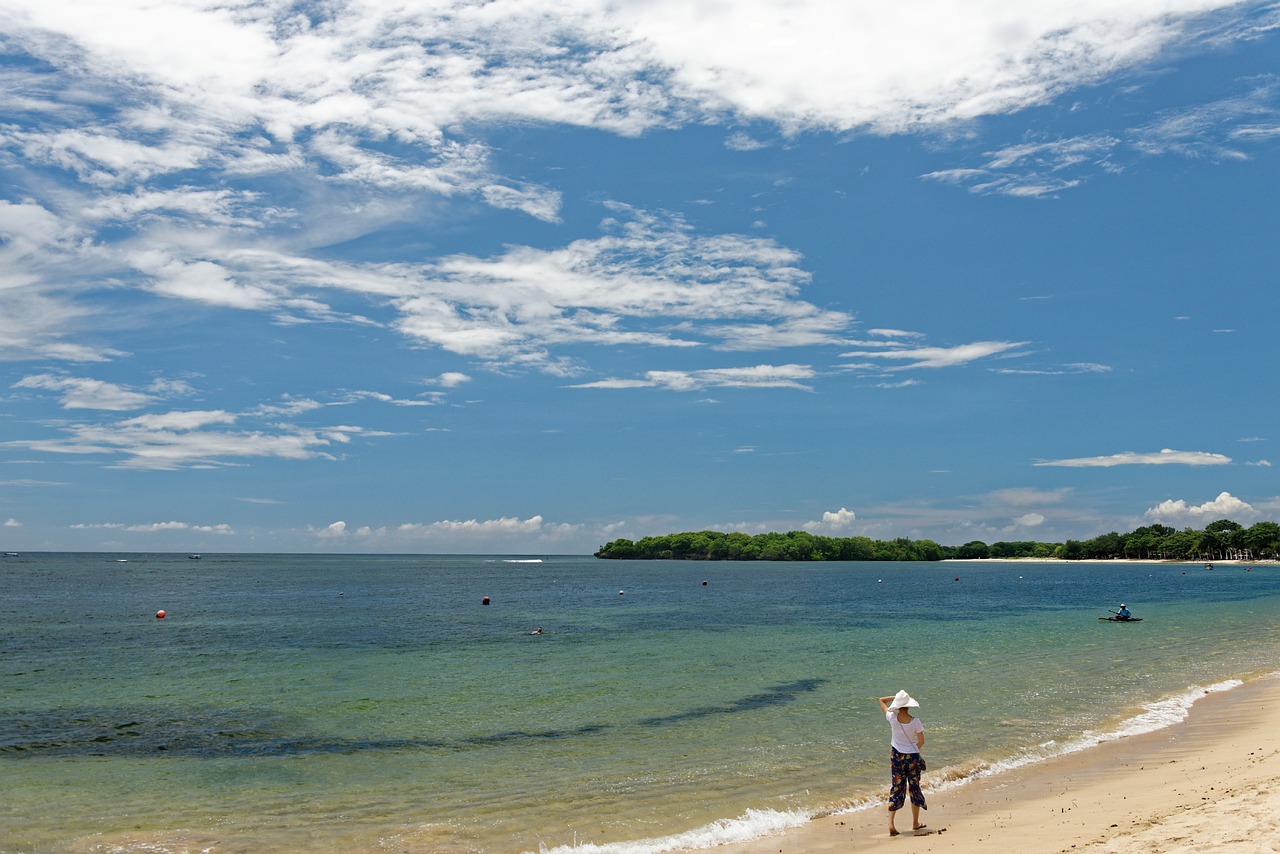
[(902, 700)]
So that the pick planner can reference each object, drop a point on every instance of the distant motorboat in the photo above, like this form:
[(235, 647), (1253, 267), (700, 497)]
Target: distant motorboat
[(193, 557), (523, 560), (11, 554)]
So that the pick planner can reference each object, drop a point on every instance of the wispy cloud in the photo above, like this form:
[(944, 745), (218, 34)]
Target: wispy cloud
[(184, 438), (1065, 370), (206, 153), (939, 357), (757, 376), (85, 393), (1220, 130), (1164, 457)]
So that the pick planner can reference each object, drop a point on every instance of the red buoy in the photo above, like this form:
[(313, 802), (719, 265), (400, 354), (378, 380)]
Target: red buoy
[(484, 601), (159, 615)]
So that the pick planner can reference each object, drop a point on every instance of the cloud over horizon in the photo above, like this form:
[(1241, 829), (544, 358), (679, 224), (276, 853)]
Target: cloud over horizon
[(506, 240)]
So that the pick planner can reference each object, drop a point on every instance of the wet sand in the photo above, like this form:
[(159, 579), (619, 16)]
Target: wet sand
[(1211, 781)]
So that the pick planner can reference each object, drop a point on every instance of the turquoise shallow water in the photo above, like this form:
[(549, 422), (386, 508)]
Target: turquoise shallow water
[(360, 703)]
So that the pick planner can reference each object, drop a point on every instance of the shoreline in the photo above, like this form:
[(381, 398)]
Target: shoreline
[(1213, 777), (1154, 561)]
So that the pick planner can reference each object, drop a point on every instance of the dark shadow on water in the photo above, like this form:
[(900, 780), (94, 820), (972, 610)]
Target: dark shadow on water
[(135, 732)]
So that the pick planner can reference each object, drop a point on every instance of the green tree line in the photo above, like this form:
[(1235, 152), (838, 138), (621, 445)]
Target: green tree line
[(1220, 540)]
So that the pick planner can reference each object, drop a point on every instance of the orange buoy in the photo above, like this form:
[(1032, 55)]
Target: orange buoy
[(159, 615), (484, 601)]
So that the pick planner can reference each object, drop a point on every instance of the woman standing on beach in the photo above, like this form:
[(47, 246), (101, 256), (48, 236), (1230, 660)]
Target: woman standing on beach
[(907, 739)]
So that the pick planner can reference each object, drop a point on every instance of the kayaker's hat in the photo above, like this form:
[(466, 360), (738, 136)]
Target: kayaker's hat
[(1121, 604), (902, 700)]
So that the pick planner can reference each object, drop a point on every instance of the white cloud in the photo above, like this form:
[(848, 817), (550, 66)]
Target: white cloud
[(157, 527), (1179, 513), (191, 420), (757, 376), (450, 379), (230, 141), (1129, 458), (650, 280), (508, 533), (848, 65), (472, 528), (1214, 130), (1029, 520), (138, 446), (1066, 370), (1261, 463), (832, 522), (940, 357), (178, 440), (333, 531), (12, 523), (85, 393)]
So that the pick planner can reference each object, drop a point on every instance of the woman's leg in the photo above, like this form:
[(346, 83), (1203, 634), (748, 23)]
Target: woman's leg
[(897, 788), (917, 796)]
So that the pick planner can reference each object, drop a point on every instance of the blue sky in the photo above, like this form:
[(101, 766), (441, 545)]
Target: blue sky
[(526, 277)]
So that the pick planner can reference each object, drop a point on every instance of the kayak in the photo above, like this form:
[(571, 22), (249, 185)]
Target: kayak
[(1120, 619)]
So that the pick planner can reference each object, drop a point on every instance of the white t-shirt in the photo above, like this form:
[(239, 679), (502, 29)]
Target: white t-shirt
[(904, 735)]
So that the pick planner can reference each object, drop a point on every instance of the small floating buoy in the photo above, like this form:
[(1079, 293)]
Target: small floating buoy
[(159, 615), (957, 578), (622, 593), (484, 601), (879, 581), (704, 582)]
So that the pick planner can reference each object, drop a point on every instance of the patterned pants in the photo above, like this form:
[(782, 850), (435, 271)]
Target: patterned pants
[(906, 775)]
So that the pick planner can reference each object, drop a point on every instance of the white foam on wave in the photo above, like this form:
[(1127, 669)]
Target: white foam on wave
[(753, 824), (1155, 716)]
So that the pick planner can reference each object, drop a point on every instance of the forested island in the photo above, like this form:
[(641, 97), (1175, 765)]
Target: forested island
[(1220, 540)]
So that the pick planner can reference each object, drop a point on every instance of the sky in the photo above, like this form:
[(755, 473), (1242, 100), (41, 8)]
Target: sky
[(525, 277)]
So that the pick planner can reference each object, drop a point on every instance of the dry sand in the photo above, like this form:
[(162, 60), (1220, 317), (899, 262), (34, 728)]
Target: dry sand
[(1209, 783)]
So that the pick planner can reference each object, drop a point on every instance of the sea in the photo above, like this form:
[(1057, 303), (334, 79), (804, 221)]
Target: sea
[(371, 703)]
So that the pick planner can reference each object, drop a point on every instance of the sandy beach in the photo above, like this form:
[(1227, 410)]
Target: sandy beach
[(1210, 782)]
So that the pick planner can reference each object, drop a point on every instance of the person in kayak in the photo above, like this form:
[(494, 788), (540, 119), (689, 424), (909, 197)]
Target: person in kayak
[(907, 763), (1123, 613)]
